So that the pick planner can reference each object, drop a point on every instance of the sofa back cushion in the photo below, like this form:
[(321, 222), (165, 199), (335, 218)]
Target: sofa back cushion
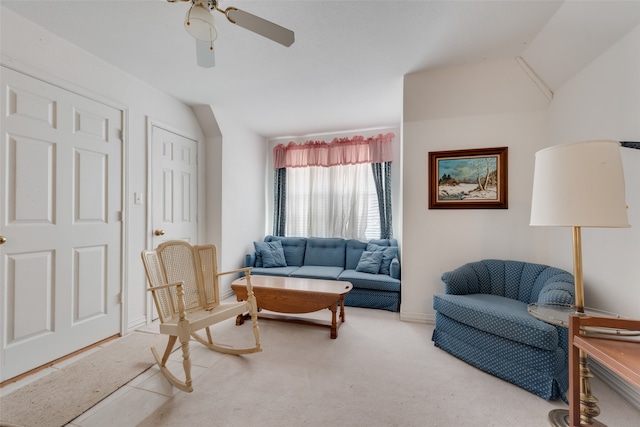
[(384, 242), (517, 280), (294, 248), (354, 252), (325, 252)]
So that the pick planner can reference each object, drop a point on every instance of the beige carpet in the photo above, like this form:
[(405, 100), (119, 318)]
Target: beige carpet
[(59, 397), (379, 372)]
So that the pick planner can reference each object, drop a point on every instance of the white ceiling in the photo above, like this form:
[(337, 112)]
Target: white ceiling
[(345, 69)]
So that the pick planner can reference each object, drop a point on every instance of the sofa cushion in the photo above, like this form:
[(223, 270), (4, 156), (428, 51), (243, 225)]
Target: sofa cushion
[(388, 253), (362, 280), (504, 317), (317, 272), (271, 253), (354, 252), (325, 252), (258, 260), (369, 262), (293, 247), (384, 242), (274, 271)]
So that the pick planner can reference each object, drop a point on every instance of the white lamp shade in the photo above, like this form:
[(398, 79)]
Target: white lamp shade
[(199, 23), (579, 184)]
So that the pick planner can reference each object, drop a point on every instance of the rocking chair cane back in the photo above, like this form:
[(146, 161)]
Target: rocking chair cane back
[(185, 289)]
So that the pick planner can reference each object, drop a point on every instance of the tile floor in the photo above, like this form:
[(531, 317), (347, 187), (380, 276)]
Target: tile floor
[(136, 400)]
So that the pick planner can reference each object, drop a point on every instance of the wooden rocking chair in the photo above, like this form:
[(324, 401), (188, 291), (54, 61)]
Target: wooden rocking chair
[(184, 284)]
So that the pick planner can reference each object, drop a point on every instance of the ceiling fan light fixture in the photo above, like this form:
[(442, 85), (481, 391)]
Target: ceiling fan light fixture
[(199, 23)]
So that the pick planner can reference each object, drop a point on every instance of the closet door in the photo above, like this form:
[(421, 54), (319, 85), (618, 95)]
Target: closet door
[(60, 213)]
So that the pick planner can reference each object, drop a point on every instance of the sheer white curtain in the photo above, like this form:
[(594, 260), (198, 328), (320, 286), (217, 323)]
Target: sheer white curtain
[(336, 201)]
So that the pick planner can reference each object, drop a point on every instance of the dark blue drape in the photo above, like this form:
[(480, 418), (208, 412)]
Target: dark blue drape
[(279, 201), (382, 178)]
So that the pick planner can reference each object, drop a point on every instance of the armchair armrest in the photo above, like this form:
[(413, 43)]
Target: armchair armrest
[(557, 293), (168, 285), (238, 270), (164, 295), (457, 281)]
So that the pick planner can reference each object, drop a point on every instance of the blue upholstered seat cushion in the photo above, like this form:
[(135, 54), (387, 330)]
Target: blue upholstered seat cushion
[(274, 271), (378, 282), (504, 317), (271, 254), (370, 262), (317, 272), (388, 254)]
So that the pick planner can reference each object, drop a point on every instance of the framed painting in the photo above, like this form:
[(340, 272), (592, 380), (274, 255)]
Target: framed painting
[(468, 179)]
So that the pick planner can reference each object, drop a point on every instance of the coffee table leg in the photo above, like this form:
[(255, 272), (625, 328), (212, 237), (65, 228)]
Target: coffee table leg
[(342, 308), (239, 319), (334, 324)]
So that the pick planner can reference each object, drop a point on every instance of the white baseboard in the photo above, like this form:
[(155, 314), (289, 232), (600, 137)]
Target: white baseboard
[(417, 317), (628, 392), (227, 294), (136, 323)]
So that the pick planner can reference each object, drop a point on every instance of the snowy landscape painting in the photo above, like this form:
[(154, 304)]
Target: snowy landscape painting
[(471, 179)]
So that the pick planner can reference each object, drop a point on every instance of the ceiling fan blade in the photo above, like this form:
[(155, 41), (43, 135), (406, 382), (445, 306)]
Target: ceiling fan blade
[(205, 54), (260, 26)]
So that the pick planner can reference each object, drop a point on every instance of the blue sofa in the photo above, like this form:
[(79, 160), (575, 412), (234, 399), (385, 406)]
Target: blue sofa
[(483, 319), (374, 286)]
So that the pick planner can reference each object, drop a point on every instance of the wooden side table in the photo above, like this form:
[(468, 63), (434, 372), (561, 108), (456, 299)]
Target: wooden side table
[(620, 354), (561, 314)]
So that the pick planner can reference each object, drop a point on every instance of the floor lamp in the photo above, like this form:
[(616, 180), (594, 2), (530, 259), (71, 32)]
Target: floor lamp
[(579, 185)]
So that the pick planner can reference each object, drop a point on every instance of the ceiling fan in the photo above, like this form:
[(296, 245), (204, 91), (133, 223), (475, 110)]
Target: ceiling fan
[(199, 24)]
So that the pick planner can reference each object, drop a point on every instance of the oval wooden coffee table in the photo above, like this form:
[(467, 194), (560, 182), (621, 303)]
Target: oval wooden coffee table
[(295, 295)]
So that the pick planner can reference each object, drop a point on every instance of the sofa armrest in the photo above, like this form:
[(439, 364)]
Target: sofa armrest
[(557, 293), (250, 260), (394, 268)]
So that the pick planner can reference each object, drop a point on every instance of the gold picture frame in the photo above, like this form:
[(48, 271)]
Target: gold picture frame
[(468, 179)]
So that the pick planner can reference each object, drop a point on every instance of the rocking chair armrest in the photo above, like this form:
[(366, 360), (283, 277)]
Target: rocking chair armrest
[(168, 285), (239, 270)]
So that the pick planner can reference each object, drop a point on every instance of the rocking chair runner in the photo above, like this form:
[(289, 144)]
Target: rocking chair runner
[(184, 284)]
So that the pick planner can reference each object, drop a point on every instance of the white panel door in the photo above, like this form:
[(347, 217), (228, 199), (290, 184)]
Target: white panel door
[(60, 207), (174, 169)]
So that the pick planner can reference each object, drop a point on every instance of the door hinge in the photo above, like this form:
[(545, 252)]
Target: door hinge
[(120, 216)]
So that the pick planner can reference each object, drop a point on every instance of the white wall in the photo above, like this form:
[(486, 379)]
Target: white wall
[(242, 201), (603, 102), (483, 105), (31, 48)]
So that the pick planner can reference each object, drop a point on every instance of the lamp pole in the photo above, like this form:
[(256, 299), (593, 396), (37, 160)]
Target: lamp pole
[(588, 402)]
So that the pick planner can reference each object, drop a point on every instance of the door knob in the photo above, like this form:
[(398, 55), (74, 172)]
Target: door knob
[(3, 240), (159, 232)]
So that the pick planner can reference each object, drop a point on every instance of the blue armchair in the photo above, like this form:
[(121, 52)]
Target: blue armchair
[(483, 319)]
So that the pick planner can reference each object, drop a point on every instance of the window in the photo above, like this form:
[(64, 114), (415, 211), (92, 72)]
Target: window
[(336, 201), (337, 189)]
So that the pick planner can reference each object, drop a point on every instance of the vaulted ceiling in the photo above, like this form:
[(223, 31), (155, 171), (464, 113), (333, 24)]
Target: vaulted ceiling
[(346, 67)]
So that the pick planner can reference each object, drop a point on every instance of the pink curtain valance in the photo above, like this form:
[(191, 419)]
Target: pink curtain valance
[(341, 151)]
